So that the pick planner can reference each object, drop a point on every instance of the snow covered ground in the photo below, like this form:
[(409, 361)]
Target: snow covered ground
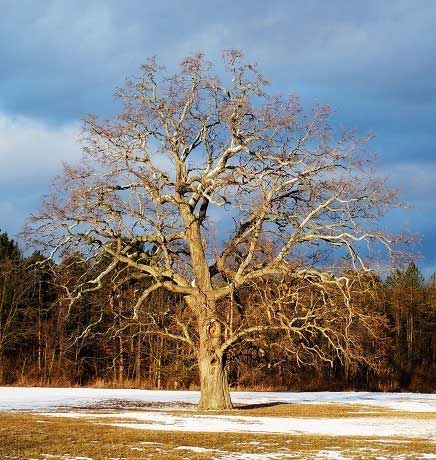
[(350, 426), (158, 415), (30, 398)]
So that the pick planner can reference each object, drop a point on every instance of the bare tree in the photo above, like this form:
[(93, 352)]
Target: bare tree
[(313, 323), (203, 185)]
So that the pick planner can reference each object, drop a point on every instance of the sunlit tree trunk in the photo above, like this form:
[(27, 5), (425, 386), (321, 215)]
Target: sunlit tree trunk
[(2, 363), (214, 387), (138, 360)]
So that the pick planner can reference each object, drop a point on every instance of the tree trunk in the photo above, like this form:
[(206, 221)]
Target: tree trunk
[(158, 360), (121, 360), (138, 360), (2, 363), (214, 386), (215, 393)]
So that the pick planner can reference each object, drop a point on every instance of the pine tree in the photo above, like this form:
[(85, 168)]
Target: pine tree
[(8, 248)]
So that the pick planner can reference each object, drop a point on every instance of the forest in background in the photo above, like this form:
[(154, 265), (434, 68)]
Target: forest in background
[(45, 340)]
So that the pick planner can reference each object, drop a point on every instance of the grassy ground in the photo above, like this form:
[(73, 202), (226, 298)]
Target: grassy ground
[(320, 410), (326, 410), (25, 436)]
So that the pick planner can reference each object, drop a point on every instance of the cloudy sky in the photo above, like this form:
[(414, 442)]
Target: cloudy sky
[(373, 61)]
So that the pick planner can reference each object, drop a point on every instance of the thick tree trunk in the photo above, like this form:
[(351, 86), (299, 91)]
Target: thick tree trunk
[(215, 393), (214, 386)]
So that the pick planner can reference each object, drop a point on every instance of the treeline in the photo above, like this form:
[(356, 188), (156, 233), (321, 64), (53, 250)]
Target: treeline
[(47, 339)]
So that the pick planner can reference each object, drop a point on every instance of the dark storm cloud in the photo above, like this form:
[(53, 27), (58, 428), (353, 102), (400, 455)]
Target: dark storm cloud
[(373, 61), (60, 59)]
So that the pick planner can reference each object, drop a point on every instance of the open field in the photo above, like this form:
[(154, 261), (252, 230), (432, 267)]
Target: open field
[(87, 424)]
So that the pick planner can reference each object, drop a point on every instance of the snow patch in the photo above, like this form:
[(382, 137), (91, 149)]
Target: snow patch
[(151, 404), (33, 398), (350, 426), (66, 457), (330, 455), (196, 449), (257, 456)]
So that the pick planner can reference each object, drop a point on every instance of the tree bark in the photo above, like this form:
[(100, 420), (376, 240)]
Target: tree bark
[(214, 386), (215, 393), (138, 360), (2, 364)]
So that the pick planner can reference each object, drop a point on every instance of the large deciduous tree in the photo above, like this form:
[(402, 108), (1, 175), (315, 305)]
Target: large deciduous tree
[(205, 186)]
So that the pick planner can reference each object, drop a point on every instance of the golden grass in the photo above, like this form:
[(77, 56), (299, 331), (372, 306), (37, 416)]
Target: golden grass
[(315, 411), (25, 436)]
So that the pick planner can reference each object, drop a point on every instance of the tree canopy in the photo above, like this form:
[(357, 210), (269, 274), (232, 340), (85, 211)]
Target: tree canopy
[(206, 186)]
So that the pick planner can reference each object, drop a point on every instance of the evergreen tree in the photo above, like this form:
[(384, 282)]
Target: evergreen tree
[(407, 304), (8, 248)]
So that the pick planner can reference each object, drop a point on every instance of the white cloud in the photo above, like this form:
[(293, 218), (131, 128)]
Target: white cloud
[(32, 150), (415, 181), (31, 154)]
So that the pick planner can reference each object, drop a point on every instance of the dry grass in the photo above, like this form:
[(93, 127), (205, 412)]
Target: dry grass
[(316, 411), (30, 436)]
